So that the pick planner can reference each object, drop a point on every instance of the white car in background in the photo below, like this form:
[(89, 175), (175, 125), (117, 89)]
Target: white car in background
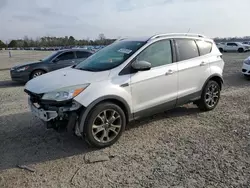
[(233, 47), (246, 67)]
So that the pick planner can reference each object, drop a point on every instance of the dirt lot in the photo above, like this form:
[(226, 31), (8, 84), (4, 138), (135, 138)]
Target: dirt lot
[(179, 148)]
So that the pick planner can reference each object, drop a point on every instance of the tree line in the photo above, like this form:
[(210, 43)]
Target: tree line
[(55, 41), (71, 41)]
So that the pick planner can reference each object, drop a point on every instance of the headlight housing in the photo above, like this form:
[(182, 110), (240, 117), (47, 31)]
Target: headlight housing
[(65, 93), (22, 69), (247, 61)]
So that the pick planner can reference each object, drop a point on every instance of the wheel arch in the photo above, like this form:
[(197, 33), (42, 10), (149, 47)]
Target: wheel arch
[(109, 98), (216, 77), (36, 69)]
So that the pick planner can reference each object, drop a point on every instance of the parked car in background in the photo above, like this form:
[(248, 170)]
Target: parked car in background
[(246, 68), (128, 80), (233, 47), (246, 42), (57, 60)]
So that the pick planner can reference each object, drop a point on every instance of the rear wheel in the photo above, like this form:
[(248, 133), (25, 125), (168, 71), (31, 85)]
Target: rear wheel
[(104, 125), (36, 73), (210, 96)]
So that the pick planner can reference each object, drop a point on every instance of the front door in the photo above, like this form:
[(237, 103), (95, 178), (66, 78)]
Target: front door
[(155, 90), (65, 59)]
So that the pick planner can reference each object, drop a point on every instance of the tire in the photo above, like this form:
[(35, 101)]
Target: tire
[(210, 96), (221, 49), (97, 119), (240, 50), (36, 73)]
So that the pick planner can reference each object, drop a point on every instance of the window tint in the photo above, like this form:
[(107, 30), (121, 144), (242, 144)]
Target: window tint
[(157, 54), (66, 56), (204, 47), (82, 54), (187, 49), (231, 44)]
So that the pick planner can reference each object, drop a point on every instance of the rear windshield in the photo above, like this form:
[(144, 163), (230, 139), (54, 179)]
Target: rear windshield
[(110, 56)]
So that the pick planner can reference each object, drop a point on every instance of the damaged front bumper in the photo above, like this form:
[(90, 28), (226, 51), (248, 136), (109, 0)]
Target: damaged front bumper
[(57, 115), (48, 112)]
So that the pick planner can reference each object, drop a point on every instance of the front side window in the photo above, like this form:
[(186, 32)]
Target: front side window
[(187, 49), (110, 56), (65, 56), (204, 47), (158, 54)]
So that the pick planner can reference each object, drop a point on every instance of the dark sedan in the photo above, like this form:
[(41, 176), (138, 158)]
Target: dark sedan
[(57, 60)]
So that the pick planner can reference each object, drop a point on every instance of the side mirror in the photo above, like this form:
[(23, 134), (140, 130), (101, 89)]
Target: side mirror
[(141, 65)]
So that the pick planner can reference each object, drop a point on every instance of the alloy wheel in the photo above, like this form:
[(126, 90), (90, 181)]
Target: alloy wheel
[(106, 126), (212, 95)]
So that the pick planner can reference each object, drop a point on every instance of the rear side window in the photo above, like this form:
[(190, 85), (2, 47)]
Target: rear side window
[(187, 49), (82, 54), (204, 47)]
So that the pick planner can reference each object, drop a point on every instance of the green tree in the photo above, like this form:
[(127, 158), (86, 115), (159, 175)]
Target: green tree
[(2, 45), (12, 44), (71, 40)]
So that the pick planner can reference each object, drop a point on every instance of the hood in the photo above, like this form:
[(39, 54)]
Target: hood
[(63, 78), (25, 64)]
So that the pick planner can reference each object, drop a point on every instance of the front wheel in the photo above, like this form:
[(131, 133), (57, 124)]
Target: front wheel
[(210, 96), (104, 125)]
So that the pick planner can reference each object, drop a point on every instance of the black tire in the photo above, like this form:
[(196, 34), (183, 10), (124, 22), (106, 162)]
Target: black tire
[(221, 49), (240, 50), (36, 73), (94, 117), (205, 104)]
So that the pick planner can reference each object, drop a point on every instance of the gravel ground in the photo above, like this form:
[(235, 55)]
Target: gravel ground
[(179, 148)]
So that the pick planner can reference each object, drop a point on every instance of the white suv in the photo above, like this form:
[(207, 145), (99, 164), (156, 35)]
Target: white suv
[(233, 47), (127, 80)]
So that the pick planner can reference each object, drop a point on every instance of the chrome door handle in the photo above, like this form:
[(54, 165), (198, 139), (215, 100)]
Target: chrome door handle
[(169, 72)]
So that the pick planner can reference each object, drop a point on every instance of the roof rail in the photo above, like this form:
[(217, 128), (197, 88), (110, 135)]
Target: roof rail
[(176, 34)]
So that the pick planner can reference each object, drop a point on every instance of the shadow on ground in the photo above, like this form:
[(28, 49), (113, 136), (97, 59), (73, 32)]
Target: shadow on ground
[(24, 139), (10, 83), (174, 113)]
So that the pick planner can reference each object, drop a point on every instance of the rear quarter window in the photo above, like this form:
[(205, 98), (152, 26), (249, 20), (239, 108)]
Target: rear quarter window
[(187, 49), (204, 47)]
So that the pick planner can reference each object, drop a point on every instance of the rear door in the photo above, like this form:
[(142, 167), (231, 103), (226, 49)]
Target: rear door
[(65, 59), (81, 56), (193, 69)]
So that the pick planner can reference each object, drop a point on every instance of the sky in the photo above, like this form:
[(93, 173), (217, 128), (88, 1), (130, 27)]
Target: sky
[(119, 18)]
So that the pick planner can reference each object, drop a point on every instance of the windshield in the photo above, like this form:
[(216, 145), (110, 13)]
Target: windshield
[(110, 56), (52, 55)]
